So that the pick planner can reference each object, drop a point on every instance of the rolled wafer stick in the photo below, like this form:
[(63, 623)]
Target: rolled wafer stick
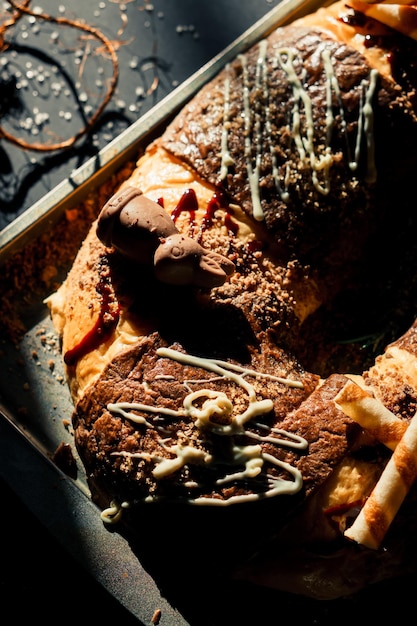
[(399, 2), (371, 414), (374, 519), (401, 16)]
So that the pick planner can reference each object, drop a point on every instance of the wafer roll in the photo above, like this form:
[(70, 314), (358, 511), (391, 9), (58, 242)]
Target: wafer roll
[(375, 518), (401, 16), (397, 2), (371, 414)]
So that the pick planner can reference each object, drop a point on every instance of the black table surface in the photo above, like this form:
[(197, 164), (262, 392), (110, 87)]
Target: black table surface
[(45, 85), (40, 581)]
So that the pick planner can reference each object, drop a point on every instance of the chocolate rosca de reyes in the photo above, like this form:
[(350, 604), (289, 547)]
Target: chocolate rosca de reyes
[(220, 400)]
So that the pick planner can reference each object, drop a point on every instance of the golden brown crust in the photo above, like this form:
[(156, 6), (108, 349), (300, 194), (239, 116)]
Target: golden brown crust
[(138, 375), (343, 207), (142, 429)]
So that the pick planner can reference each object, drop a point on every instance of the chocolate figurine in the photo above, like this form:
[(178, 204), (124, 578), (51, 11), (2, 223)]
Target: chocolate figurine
[(142, 230)]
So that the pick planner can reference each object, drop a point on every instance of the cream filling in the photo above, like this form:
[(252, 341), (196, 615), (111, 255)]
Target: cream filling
[(327, 19), (159, 176), (128, 332)]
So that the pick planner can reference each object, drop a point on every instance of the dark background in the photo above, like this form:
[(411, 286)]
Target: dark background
[(52, 78)]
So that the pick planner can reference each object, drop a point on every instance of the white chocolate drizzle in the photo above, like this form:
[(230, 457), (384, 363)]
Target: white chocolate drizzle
[(227, 160), (213, 411), (113, 513), (305, 141), (254, 171), (258, 125), (368, 114)]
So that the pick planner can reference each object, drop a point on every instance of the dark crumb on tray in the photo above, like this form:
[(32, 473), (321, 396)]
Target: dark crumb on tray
[(37, 269)]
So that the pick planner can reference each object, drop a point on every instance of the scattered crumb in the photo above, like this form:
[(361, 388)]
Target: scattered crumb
[(156, 617), (71, 215), (64, 459), (36, 270)]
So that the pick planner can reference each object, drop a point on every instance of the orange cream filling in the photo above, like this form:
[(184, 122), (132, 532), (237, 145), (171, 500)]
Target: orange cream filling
[(330, 19)]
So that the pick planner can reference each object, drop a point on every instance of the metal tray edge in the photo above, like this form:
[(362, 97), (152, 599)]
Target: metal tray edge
[(89, 175), (64, 510)]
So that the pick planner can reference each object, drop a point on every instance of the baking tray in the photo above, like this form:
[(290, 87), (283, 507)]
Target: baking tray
[(125, 146), (35, 407)]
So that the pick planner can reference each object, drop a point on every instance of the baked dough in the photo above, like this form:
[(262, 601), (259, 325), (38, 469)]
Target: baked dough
[(193, 395)]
